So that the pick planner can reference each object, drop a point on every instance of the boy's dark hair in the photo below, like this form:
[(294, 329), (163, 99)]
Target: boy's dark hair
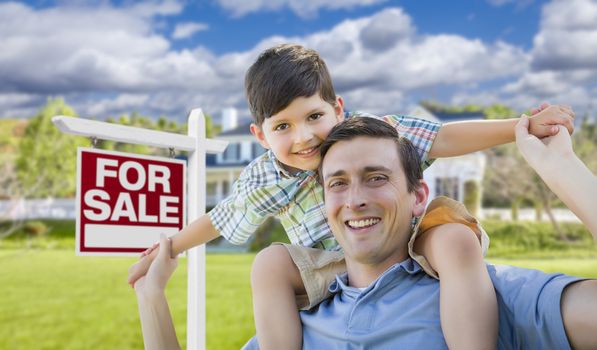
[(283, 73), (375, 128)]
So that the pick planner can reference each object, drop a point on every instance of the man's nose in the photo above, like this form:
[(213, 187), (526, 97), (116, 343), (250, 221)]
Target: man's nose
[(356, 198)]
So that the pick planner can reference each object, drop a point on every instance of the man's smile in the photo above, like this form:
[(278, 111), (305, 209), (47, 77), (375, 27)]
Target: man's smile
[(362, 223)]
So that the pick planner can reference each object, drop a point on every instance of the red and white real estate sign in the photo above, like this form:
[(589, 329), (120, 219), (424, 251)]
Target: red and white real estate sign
[(124, 201)]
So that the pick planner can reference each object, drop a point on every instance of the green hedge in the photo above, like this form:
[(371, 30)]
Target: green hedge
[(529, 239)]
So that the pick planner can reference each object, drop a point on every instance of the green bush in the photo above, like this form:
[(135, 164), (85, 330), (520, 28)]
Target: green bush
[(520, 239), (35, 228)]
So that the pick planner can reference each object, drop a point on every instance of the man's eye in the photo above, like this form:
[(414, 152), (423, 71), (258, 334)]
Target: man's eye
[(335, 183), (377, 178), (281, 127), (315, 116)]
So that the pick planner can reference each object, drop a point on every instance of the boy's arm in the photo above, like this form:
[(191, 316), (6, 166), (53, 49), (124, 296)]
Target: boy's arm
[(458, 138), (196, 233)]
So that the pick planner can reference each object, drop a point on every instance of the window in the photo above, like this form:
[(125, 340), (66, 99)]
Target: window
[(447, 186)]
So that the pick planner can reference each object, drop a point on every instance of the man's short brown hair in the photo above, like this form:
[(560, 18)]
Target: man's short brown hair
[(283, 73), (375, 128)]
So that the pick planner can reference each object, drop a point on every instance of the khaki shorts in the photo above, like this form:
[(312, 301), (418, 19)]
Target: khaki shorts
[(318, 268)]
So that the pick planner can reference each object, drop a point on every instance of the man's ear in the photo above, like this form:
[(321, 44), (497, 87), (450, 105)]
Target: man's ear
[(339, 109), (421, 196), (259, 135)]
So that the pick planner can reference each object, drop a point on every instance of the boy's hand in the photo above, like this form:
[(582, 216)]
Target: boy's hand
[(545, 120), (140, 268)]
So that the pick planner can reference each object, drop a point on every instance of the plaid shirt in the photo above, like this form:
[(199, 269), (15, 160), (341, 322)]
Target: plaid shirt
[(266, 189)]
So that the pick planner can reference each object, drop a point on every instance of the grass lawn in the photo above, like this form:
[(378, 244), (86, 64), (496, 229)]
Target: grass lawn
[(52, 299)]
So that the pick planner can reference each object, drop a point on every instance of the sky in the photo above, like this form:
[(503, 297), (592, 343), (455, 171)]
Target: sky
[(163, 58)]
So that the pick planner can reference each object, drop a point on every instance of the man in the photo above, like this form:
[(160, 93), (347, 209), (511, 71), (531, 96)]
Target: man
[(385, 300)]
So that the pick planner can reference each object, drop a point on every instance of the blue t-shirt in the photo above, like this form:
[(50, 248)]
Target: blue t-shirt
[(400, 310)]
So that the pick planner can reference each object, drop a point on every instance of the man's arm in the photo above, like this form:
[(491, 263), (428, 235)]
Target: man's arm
[(459, 138), (154, 313), (563, 172), (569, 178)]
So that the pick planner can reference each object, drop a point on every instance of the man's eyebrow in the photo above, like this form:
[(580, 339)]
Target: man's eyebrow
[(365, 170), (334, 174), (374, 168)]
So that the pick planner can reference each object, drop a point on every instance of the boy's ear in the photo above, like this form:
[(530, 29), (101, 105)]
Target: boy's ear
[(259, 135), (421, 196), (339, 108)]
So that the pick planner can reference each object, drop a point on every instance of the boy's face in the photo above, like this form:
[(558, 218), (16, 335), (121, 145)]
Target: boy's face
[(295, 133)]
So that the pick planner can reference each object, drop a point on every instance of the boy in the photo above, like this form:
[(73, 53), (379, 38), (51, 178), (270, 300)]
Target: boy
[(294, 105)]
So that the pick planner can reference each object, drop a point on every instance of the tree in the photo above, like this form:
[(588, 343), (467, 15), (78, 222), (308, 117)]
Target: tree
[(46, 160), (499, 111)]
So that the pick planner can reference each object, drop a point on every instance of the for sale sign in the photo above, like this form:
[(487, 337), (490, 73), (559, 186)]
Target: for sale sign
[(124, 201)]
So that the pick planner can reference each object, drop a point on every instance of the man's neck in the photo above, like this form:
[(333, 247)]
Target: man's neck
[(361, 275)]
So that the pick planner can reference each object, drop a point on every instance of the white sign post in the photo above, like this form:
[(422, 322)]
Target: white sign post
[(197, 146)]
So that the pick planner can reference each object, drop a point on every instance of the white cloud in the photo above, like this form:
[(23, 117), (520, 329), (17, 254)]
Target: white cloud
[(19, 104), (186, 30), (520, 4), (108, 61), (568, 36), (302, 8), (410, 61)]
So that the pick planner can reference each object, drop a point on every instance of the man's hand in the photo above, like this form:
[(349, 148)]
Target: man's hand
[(539, 152), (159, 272), (139, 269), (546, 119)]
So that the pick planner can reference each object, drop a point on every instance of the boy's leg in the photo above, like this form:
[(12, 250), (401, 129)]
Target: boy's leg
[(468, 305), (579, 314), (275, 281)]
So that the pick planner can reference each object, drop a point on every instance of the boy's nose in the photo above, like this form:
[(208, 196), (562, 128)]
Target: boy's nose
[(303, 135)]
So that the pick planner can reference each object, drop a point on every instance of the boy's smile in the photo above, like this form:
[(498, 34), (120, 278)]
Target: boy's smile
[(295, 133)]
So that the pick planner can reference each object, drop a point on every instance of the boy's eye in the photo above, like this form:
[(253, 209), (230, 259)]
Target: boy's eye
[(281, 127), (315, 116)]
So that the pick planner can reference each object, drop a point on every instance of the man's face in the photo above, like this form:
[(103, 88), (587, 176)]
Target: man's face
[(295, 133), (366, 199)]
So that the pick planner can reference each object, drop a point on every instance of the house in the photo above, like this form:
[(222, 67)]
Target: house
[(460, 177)]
